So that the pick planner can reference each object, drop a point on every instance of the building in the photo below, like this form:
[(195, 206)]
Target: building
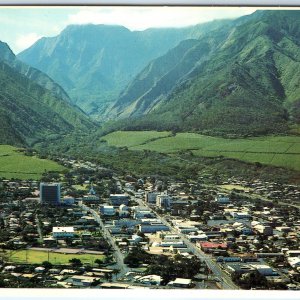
[(239, 268), (294, 262), (150, 197), (143, 213), (68, 200), (50, 193), (222, 198), (118, 199), (90, 198), (163, 201), (240, 215), (62, 232), (209, 246), (264, 229), (181, 283), (107, 210), (264, 270), (152, 227), (174, 244)]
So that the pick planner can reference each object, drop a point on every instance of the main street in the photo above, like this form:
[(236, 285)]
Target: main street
[(107, 235), (225, 280)]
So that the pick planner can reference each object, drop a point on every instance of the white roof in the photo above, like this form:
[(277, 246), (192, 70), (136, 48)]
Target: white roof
[(182, 281), (63, 229)]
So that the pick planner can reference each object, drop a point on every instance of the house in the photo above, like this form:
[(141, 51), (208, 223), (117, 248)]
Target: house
[(181, 283), (62, 232)]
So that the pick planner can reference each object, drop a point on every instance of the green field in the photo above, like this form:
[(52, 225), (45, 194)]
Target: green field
[(14, 164), (37, 257), (282, 151), (133, 138)]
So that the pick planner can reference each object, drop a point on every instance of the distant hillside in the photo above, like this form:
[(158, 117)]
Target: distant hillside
[(28, 110), (241, 78), (93, 63)]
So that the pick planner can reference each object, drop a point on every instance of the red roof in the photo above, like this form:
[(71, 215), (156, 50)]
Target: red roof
[(212, 245)]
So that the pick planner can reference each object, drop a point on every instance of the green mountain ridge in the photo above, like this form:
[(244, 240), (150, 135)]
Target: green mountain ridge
[(94, 63), (30, 112), (239, 79)]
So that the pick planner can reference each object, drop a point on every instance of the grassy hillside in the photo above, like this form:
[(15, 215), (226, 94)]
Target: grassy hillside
[(14, 164), (281, 151)]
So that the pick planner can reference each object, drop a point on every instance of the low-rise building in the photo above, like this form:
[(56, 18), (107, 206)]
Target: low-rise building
[(107, 210), (209, 246), (222, 198), (150, 197), (181, 283), (152, 227), (62, 232), (118, 199)]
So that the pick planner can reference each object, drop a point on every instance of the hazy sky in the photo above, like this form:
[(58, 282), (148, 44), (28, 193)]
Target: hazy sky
[(20, 27)]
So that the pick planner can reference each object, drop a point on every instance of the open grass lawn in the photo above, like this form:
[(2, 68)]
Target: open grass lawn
[(281, 151), (37, 257), (14, 164), (132, 138)]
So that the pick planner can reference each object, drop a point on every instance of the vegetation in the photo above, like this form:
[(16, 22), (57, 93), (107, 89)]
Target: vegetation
[(28, 110), (237, 80), (280, 151), (168, 268), (133, 138), (109, 57), (38, 257), (15, 164)]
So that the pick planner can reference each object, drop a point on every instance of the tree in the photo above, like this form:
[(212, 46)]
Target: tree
[(99, 262), (47, 264), (75, 262)]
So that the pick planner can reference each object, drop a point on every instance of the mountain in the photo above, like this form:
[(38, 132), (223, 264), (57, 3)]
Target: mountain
[(28, 110), (39, 77), (94, 63), (241, 78)]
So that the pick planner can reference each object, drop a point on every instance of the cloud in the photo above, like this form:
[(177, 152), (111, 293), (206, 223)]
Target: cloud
[(26, 40), (139, 18)]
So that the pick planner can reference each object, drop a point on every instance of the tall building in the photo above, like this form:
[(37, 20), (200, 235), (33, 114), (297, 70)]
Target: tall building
[(50, 193)]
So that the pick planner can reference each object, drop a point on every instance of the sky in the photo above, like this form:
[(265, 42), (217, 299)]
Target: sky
[(20, 27)]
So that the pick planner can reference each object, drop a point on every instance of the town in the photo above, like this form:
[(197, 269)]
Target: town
[(93, 228)]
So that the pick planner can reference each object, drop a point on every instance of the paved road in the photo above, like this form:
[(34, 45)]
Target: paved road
[(39, 228), (226, 281), (107, 235)]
